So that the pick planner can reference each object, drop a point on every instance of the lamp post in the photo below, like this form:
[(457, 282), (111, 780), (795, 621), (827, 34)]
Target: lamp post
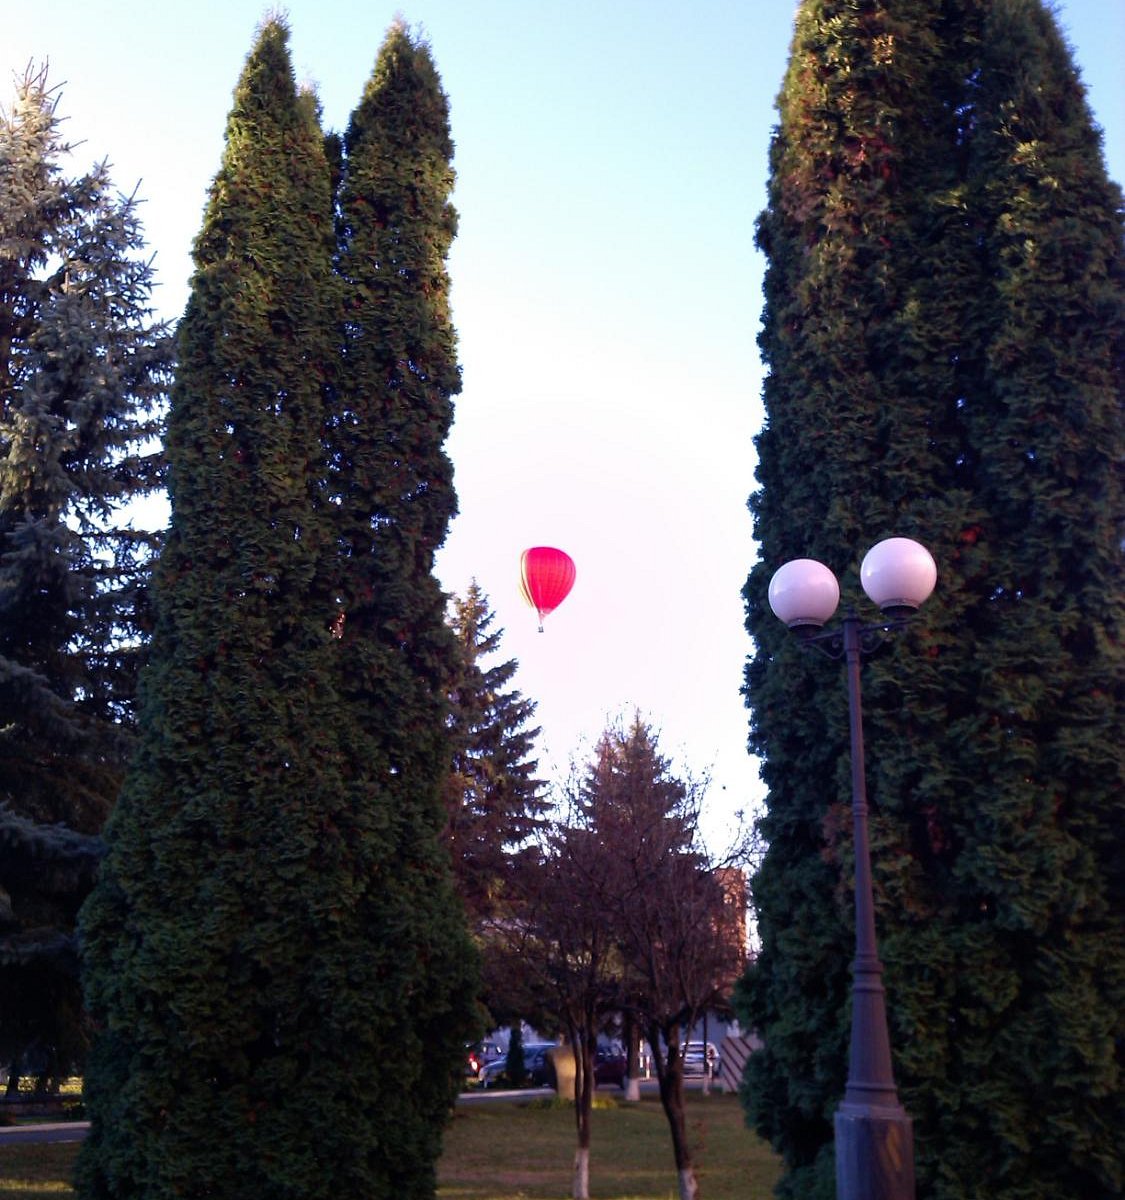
[(874, 1137)]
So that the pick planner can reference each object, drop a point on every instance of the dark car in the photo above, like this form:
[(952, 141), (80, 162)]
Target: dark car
[(537, 1068), (610, 1067)]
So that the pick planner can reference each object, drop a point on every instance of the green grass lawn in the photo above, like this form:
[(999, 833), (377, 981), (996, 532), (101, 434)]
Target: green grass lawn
[(28, 1171), (502, 1150)]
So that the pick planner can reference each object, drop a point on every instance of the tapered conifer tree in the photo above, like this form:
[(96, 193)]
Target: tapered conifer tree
[(83, 367), (943, 334), (227, 956), (276, 936), (392, 491)]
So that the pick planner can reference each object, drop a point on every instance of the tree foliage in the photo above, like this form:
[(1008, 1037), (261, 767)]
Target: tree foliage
[(943, 332), (494, 803), (391, 481), (275, 942), (550, 955), (621, 913), (83, 367), (679, 944)]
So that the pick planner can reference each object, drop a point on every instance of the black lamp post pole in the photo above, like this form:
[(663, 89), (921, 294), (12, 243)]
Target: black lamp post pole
[(874, 1136)]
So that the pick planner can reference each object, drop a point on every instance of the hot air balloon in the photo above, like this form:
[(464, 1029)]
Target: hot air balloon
[(546, 577)]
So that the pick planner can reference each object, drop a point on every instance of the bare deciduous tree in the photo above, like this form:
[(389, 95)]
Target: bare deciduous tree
[(556, 929), (621, 913), (679, 942)]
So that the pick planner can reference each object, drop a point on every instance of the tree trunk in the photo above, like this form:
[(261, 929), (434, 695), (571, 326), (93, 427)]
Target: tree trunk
[(706, 1059), (670, 1073), (583, 1105), (632, 1039), (581, 1186)]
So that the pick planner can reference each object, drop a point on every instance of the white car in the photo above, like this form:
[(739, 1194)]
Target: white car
[(694, 1059)]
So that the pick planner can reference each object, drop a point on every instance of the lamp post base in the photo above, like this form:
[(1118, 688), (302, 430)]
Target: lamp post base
[(874, 1153)]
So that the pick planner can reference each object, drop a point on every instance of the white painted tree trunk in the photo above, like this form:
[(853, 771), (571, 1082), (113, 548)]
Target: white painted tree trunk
[(688, 1186), (581, 1190), (632, 1088)]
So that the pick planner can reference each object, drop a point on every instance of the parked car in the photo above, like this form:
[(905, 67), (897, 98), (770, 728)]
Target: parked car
[(535, 1064), (695, 1057), (610, 1067), (479, 1054)]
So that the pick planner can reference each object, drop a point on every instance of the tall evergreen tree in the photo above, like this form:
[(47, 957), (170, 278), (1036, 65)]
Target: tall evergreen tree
[(494, 803), (392, 490), (276, 933), (944, 331), (83, 368), (47, 871), (226, 952)]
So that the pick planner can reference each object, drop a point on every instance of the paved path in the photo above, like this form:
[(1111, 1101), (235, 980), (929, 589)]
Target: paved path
[(75, 1131), (59, 1131)]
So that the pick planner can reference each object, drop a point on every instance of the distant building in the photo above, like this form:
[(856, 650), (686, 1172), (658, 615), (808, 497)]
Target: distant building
[(736, 897)]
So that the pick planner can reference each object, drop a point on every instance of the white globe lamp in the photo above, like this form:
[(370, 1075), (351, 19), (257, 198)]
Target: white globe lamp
[(898, 574), (804, 593)]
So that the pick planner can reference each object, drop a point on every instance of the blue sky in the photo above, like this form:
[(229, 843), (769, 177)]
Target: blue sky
[(611, 161)]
